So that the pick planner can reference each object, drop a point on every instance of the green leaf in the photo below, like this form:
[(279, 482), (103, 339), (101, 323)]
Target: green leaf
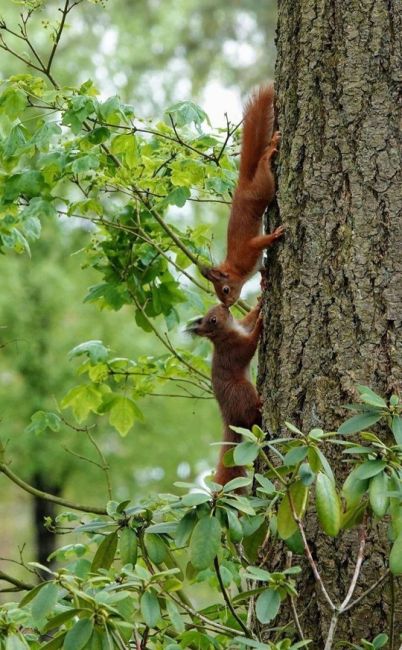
[(245, 453), (94, 350), (195, 498), (45, 601), (85, 163), (236, 483), (287, 525), (368, 396), (123, 413), (128, 546), (55, 643), (328, 505), (15, 642), (397, 429), (185, 528), (380, 641), (150, 608), (395, 558), (353, 489), (58, 620), (155, 547), (259, 574), (267, 605), (178, 196), (83, 399), (78, 636), (359, 423), (295, 455), (42, 420), (186, 112), (235, 527), (370, 468), (295, 543), (378, 489), (106, 552), (13, 102), (326, 467), (205, 542), (175, 617), (266, 485), (29, 183)]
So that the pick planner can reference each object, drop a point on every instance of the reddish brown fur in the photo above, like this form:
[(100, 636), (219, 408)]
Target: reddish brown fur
[(255, 190), (234, 346)]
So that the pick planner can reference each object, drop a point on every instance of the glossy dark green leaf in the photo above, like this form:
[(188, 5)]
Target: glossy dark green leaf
[(328, 505), (205, 542), (106, 552), (359, 423), (397, 429), (287, 525), (78, 636), (295, 455), (378, 489), (150, 608), (395, 558), (369, 468), (128, 546), (185, 528), (267, 605), (155, 547), (44, 601), (245, 453)]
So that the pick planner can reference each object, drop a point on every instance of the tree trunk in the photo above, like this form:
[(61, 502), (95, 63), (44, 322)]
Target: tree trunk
[(45, 539), (333, 312)]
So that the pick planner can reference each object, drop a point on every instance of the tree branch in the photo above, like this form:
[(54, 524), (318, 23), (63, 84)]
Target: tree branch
[(48, 497), (14, 581)]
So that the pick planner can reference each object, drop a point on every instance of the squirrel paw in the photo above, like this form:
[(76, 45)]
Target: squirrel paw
[(275, 140), (273, 145), (278, 232)]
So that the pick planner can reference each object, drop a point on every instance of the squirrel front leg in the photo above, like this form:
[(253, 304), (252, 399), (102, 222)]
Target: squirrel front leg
[(249, 321), (264, 241)]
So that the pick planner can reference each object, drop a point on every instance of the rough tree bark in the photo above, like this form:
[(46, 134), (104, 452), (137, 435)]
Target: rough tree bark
[(333, 304)]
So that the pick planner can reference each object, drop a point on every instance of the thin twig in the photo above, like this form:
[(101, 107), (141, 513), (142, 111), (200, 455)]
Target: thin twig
[(228, 601), (360, 555), (368, 591), (310, 559), (49, 497), (64, 13), (104, 464)]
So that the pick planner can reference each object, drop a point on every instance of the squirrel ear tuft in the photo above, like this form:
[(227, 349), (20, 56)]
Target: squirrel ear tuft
[(212, 273), (205, 271)]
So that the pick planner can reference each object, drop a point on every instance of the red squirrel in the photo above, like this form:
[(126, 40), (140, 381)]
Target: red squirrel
[(235, 343), (254, 191)]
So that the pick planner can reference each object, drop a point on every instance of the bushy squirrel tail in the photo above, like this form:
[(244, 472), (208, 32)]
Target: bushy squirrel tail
[(258, 126)]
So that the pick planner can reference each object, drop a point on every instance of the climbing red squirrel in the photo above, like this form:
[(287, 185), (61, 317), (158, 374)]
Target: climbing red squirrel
[(235, 343), (254, 191)]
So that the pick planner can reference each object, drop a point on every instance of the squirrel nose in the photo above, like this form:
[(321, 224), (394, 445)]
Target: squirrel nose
[(192, 327)]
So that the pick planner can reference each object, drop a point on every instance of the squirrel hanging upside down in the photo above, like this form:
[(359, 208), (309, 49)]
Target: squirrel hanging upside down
[(254, 191), (235, 343)]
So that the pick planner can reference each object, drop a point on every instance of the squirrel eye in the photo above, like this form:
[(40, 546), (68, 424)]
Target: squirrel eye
[(212, 320), (226, 290)]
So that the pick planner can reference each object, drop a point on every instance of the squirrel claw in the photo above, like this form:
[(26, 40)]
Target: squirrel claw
[(278, 232)]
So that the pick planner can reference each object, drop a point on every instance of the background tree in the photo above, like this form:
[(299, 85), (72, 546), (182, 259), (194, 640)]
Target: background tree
[(333, 314)]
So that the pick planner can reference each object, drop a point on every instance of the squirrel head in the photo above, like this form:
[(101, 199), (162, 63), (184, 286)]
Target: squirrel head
[(213, 325), (227, 287)]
